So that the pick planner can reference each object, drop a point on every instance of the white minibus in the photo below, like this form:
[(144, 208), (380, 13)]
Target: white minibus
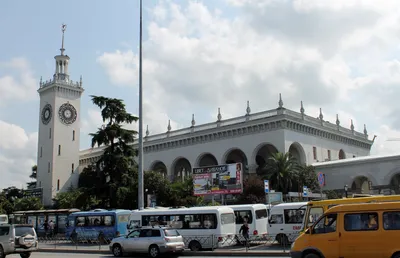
[(200, 227), (3, 219), (257, 219), (286, 220)]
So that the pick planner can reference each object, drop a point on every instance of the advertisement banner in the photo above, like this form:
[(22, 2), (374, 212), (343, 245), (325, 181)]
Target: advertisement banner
[(221, 179)]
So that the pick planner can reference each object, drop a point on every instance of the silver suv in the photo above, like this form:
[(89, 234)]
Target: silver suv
[(20, 239), (151, 240)]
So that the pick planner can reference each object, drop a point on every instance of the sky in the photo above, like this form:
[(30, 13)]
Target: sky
[(342, 56)]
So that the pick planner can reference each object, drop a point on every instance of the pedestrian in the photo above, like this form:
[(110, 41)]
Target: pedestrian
[(46, 227), (51, 225), (244, 229)]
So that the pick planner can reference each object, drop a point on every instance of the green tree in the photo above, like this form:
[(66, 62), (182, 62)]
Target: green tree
[(28, 203), (75, 198), (253, 191), (33, 176), (280, 170), (116, 166), (305, 176), (6, 207), (182, 194)]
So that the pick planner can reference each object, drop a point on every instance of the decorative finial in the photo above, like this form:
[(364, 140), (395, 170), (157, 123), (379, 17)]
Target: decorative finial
[(365, 130), (321, 116), (41, 81), (219, 116), (280, 101), (352, 125), (80, 82), (147, 131), (193, 121), (248, 110), (63, 28), (301, 108), (169, 125), (337, 120)]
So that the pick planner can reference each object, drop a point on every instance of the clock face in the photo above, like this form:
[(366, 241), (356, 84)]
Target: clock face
[(46, 114), (67, 113)]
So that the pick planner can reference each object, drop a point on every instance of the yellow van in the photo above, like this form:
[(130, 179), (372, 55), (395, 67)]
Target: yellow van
[(368, 230)]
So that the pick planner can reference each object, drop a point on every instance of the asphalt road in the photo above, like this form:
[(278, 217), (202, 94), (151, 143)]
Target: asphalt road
[(58, 255)]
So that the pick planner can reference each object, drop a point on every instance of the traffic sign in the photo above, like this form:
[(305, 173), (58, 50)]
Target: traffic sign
[(321, 179), (305, 191), (266, 186)]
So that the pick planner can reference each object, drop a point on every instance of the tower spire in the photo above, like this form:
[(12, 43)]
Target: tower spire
[(63, 28)]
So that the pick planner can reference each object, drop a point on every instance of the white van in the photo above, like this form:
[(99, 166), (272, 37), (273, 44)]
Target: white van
[(197, 225), (257, 219), (286, 220), (3, 219)]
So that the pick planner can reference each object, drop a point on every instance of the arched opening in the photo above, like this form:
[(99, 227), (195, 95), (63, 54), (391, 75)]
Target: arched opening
[(395, 183), (360, 185), (182, 169), (342, 155), (160, 167), (263, 154), (207, 160), (297, 152), (237, 156)]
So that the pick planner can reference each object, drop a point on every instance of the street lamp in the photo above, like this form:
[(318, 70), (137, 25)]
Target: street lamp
[(345, 190)]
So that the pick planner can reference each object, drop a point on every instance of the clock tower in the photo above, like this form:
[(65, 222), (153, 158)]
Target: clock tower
[(59, 130)]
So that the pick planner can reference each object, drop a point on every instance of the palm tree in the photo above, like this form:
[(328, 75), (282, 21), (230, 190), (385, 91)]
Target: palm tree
[(281, 169)]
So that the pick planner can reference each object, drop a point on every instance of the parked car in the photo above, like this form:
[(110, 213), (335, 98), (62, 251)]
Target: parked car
[(151, 240), (17, 239)]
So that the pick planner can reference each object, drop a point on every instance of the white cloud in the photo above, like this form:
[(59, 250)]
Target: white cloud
[(17, 82), (18, 151), (337, 55)]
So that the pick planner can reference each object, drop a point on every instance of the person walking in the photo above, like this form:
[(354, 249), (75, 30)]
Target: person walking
[(244, 230)]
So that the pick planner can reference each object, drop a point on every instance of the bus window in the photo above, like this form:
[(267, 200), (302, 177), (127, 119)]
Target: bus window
[(314, 214), (261, 214), (293, 216), (276, 219), (391, 220), (80, 221), (123, 218), (109, 220), (242, 215), (227, 218)]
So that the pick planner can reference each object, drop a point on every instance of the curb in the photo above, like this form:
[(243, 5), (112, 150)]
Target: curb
[(188, 253)]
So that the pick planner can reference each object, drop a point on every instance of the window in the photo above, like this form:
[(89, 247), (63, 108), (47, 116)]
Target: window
[(294, 216), (227, 218), (155, 233), (73, 135), (48, 167), (123, 218), (41, 151), (59, 150), (58, 185), (134, 234), (391, 220), (361, 221), (24, 230), (171, 232), (4, 231), (314, 152), (185, 221), (99, 220), (40, 183), (326, 224), (314, 214), (146, 233), (276, 219), (242, 215), (49, 133), (261, 214), (329, 154), (72, 168)]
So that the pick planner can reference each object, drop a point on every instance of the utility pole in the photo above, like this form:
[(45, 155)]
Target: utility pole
[(140, 172)]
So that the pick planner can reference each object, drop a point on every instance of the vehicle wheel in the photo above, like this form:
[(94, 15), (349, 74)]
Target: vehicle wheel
[(2, 255), (194, 246), (282, 239), (396, 255), (154, 251), (311, 256), (25, 255), (117, 250)]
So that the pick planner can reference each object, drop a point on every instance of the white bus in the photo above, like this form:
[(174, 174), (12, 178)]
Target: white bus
[(257, 219), (286, 220), (201, 227)]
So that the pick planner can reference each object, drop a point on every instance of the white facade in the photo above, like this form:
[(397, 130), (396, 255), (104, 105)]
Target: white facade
[(249, 139), (59, 131), (372, 174)]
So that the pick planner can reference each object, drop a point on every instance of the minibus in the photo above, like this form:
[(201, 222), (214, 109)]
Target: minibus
[(368, 230)]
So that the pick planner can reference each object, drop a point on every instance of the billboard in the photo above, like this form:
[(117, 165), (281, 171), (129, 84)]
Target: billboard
[(220, 179)]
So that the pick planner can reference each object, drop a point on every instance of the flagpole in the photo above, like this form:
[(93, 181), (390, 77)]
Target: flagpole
[(140, 172)]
